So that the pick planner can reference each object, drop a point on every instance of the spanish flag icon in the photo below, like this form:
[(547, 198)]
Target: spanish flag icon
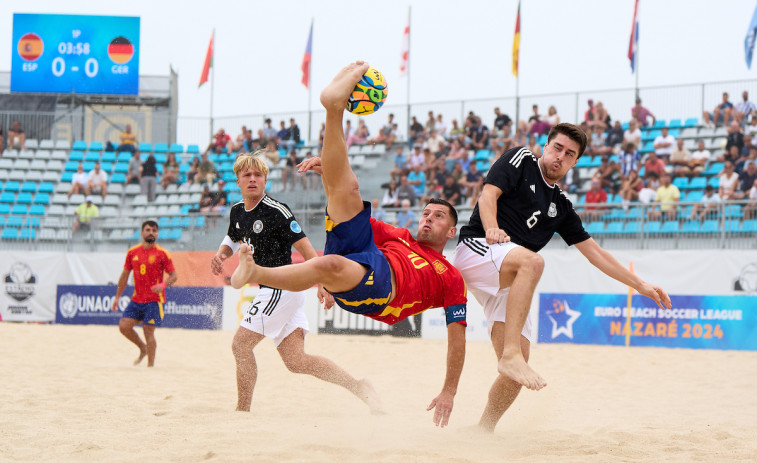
[(30, 46), (120, 50)]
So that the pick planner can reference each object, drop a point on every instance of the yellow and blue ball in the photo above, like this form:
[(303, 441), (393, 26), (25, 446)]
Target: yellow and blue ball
[(369, 94)]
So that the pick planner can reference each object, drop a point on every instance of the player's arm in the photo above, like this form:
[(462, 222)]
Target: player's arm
[(122, 280), (304, 247), (605, 262), (487, 210), (455, 358), (225, 250)]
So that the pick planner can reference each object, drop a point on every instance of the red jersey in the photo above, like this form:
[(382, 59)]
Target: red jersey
[(424, 278), (148, 266)]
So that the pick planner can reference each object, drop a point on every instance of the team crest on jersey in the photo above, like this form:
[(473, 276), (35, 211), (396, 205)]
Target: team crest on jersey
[(237, 225), (295, 227), (552, 212), (257, 227), (533, 188), (439, 267), (151, 259)]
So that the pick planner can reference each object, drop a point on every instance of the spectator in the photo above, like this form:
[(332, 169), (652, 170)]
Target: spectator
[(170, 171), (428, 159), (595, 195), (270, 154), (148, 178), (2, 145), (632, 135), (630, 187), (654, 165), (218, 199), (699, 159), (590, 115), (735, 137), (417, 178), (729, 183), (440, 126), (533, 146), (16, 137), (528, 126), (79, 181), (456, 150), (135, 166), (206, 171), (464, 162), (747, 146), (451, 191), (430, 122), (455, 131), (239, 142), (128, 140), (519, 139), (435, 143), (360, 136), (502, 124), (377, 212), (406, 191), (473, 184), (417, 158), (652, 183), (321, 134), (401, 166), (97, 181), (680, 160), (721, 114), (668, 196), (84, 214), (744, 109), (750, 210), (597, 142), (642, 114), (294, 133), (221, 141), (664, 145), (629, 160), (748, 177), (709, 204), (614, 139), (603, 119), (751, 129), (415, 133), (385, 134), (405, 217), (283, 136), (479, 135), (730, 155), (269, 132), (290, 170), (390, 198), (194, 169), (608, 175)]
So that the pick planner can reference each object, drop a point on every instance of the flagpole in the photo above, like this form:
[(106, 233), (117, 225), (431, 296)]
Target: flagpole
[(310, 84), (638, 46), (212, 80), (408, 71)]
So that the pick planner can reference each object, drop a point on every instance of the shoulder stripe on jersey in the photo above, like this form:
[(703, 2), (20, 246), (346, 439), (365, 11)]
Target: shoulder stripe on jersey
[(277, 205), (476, 246), (516, 160), (273, 302)]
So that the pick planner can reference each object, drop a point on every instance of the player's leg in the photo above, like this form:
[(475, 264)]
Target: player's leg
[(126, 327), (520, 271), (152, 344), (292, 351), (335, 272), (339, 181), (247, 368), (504, 390)]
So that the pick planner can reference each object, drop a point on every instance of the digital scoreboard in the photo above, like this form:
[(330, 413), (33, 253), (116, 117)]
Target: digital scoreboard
[(75, 53)]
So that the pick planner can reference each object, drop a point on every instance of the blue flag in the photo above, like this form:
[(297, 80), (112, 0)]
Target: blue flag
[(749, 40)]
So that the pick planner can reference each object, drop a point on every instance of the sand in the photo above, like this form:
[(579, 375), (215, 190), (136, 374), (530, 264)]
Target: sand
[(70, 393)]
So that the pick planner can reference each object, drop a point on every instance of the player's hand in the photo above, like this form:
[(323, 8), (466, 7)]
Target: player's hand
[(325, 298), (216, 264), (496, 235), (443, 408), (657, 294), (157, 289), (310, 165), (114, 306)]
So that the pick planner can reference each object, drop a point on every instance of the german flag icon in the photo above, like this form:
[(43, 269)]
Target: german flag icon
[(120, 50), (30, 46)]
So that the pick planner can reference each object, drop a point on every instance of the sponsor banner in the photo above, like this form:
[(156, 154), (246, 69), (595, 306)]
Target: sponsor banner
[(435, 322), (28, 285), (185, 307), (700, 322)]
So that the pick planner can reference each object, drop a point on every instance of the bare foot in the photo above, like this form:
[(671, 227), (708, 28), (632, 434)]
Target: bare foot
[(245, 271), (367, 394), (516, 368), (142, 354), (336, 94)]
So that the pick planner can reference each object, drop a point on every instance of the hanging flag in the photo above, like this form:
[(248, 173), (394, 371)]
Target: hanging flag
[(749, 41), (405, 61), (516, 43), (208, 61), (306, 59), (633, 46)]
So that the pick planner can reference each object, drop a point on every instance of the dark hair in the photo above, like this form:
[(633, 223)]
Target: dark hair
[(452, 211), (571, 131), (150, 223)]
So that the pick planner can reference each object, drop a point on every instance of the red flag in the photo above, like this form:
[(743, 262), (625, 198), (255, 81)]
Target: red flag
[(405, 49), (208, 62), (306, 59), (516, 43)]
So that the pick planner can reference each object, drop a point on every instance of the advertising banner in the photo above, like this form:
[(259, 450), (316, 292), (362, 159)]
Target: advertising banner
[(185, 307), (28, 285), (699, 322)]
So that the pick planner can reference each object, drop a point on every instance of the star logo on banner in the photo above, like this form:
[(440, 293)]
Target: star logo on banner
[(562, 318)]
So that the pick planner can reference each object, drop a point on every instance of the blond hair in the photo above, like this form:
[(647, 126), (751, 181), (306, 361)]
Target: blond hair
[(252, 161)]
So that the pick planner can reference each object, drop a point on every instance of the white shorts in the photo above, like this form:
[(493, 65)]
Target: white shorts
[(479, 263), (276, 313)]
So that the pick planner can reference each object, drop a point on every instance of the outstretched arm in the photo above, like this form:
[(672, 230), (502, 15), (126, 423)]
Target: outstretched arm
[(605, 262), (455, 358)]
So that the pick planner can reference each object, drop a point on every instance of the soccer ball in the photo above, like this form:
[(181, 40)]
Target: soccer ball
[(369, 94)]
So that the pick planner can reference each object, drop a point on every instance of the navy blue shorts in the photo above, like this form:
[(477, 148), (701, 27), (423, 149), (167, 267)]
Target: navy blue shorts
[(354, 240), (149, 313)]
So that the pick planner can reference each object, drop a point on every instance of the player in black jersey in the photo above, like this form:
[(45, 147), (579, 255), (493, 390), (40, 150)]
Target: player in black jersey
[(519, 210), (271, 228)]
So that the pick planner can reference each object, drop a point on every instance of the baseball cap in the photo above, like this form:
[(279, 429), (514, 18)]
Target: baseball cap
[(88, 199)]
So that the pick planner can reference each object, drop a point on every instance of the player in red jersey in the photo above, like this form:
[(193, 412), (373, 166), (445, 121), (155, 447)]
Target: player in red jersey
[(372, 268), (148, 261)]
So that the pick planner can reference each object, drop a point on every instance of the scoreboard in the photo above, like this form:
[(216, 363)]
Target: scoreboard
[(75, 53)]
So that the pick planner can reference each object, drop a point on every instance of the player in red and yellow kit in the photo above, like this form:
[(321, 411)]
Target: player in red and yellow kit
[(372, 268), (149, 262)]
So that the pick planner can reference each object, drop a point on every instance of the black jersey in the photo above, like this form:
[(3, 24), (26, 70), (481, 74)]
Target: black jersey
[(271, 229), (529, 210)]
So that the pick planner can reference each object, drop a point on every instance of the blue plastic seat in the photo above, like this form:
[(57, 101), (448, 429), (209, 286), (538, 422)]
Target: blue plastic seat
[(28, 234), (88, 166), (20, 209), (634, 213), (697, 183), (749, 226), (160, 158), (681, 182), (42, 198), (121, 167), (24, 198), (7, 197), (691, 122), (46, 187), (2, 221), (107, 167), (715, 182), (72, 166), (13, 186), (670, 226), (732, 226), (118, 177), (123, 156), (145, 147), (733, 211), (66, 176), (183, 168), (160, 148), (658, 124), (109, 156), (632, 228), (176, 148), (76, 156), (9, 233), (80, 145), (164, 222), (14, 221), (690, 226), (714, 168), (200, 221), (5, 208), (92, 156), (193, 149), (596, 228), (675, 124), (95, 146), (37, 209), (652, 227), (709, 226), (29, 187)]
